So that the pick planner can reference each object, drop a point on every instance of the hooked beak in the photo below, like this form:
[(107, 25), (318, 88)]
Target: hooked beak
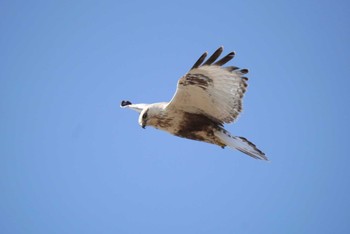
[(144, 124)]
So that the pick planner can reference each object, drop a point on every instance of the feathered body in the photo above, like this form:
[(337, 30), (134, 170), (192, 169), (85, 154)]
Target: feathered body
[(180, 123), (208, 96)]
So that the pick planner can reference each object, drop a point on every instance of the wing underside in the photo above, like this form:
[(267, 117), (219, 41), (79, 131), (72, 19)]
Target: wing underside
[(211, 89)]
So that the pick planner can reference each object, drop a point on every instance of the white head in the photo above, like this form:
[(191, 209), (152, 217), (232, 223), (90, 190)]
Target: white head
[(148, 112)]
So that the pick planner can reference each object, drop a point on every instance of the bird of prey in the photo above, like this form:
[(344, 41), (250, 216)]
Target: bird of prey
[(208, 96)]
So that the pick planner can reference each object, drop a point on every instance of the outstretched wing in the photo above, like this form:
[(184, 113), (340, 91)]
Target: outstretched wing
[(211, 89)]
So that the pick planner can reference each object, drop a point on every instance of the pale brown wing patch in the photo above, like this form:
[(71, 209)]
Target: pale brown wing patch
[(212, 90)]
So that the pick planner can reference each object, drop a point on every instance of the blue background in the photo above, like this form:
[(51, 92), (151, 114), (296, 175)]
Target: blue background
[(72, 161)]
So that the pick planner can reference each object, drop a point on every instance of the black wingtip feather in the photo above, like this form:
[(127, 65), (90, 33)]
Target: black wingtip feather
[(244, 71), (200, 60), (216, 55), (225, 59), (125, 103), (231, 68), (211, 60)]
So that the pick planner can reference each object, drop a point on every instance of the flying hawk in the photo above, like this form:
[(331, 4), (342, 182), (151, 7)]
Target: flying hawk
[(208, 96)]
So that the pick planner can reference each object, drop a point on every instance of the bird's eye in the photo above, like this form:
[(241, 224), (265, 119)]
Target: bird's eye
[(145, 115)]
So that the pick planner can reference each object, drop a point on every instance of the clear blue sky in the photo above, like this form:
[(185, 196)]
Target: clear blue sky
[(72, 161)]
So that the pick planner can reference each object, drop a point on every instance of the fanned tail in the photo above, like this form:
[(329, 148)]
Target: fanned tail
[(241, 144)]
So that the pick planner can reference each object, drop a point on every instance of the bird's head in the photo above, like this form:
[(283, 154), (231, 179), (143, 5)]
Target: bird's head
[(142, 108), (148, 112), (151, 114)]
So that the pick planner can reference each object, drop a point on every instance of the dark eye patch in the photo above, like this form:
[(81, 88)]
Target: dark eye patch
[(145, 115)]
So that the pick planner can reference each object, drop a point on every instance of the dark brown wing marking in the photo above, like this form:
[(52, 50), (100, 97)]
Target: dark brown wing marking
[(199, 80)]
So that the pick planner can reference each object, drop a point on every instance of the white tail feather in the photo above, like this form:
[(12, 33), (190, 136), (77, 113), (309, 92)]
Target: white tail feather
[(241, 144)]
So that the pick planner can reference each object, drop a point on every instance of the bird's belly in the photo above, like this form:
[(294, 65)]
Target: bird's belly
[(201, 135), (190, 126)]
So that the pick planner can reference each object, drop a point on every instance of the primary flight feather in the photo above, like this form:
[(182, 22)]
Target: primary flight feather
[(208, 96)]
